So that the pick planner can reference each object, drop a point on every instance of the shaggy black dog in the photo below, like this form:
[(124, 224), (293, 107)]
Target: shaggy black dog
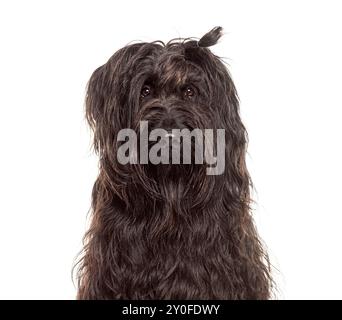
[(169, 231)]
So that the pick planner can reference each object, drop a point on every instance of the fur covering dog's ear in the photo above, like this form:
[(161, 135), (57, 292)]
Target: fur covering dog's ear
[(106, 96)]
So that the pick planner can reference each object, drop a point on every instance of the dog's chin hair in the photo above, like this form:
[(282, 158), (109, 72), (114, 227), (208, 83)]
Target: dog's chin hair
[(169, 231)]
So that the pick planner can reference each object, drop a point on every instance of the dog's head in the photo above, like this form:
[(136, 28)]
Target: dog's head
[(178, 85)]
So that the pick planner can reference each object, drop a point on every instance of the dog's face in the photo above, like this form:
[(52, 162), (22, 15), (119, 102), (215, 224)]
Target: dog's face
[(180, 85), (169, 90)]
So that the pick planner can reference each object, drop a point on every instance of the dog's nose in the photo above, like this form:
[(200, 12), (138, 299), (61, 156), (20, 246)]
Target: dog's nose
[(169, 123)]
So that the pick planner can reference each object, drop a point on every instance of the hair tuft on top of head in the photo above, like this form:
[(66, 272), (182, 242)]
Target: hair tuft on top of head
[(211, 38)]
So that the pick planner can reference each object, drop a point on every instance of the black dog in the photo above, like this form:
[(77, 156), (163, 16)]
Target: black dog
[(169, 231)]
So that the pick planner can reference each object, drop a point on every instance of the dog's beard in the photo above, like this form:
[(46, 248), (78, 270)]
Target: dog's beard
[(168, 183)]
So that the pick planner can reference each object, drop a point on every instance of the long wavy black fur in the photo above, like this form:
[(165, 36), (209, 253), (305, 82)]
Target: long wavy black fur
[(171, 232)]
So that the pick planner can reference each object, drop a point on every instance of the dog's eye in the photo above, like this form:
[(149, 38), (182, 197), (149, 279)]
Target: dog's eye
[(188, 92), (145, 91)]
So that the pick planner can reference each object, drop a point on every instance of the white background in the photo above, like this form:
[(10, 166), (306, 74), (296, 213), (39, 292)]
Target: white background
[(286, 60)]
